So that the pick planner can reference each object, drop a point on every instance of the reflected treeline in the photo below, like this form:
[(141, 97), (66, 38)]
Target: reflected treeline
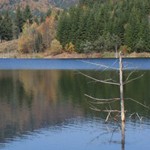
[(31, 100), (75, 85), (139, 91)]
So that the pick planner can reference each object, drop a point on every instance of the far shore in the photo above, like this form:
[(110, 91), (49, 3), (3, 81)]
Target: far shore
[(65, 55), (9, 50)]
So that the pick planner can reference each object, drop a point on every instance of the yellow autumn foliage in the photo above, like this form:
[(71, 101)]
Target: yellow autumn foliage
[(70, 48), (30, 40), (37, 38), (56, 47), (48, 31)]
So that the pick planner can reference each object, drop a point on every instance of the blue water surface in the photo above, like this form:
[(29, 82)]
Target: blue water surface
[(74, 64), (44, 109)]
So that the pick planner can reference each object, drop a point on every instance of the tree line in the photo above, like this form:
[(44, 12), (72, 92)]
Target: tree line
[(106, 25), (92, 25), (12, 22)]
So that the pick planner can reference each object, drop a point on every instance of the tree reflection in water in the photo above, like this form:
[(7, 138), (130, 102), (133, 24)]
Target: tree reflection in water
[(30, 100)]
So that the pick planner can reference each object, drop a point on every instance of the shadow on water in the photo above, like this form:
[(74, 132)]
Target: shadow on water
[(32, 100)]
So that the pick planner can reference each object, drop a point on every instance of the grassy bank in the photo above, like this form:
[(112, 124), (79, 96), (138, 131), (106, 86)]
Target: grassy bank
[(10, 50)]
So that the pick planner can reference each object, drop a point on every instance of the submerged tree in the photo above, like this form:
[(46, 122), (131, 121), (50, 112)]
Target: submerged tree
[(95, 103), (122, 82)]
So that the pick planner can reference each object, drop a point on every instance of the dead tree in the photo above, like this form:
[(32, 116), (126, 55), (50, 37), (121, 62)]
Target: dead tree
[(121, 88), (120, 85)]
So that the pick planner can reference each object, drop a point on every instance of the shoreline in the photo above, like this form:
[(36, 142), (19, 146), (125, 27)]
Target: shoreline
[(9, 50), (65, 55)]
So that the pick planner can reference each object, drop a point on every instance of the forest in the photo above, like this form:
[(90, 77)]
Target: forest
[(89, 26)]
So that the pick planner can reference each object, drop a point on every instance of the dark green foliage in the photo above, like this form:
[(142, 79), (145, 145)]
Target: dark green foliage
[(42, 18), (22, 16), (49, 12), (11, 24), (28, 15), (88, 2), (36, 20), (19, 20), (38, 43), (105, 25), (63, 3), (1, 21), (64, 29), (6, 27)]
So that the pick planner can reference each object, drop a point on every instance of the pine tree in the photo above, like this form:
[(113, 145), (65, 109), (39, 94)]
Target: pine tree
[(19, 21), (28, 15), (63, 29), (91, 28), (6, 27), (143, 38), (1, 19), (49, 12), (42, 18), (74, 25), (97, 21)]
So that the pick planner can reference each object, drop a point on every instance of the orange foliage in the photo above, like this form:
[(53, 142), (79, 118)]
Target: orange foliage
[(26, 41), (36, 38), (48, 31)]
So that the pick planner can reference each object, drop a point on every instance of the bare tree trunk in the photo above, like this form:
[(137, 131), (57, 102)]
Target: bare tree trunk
[(116, 52), (121, 88), (123, 135)]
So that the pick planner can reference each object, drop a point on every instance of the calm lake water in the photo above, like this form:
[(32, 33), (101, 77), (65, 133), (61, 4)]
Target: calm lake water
[(45, 108)]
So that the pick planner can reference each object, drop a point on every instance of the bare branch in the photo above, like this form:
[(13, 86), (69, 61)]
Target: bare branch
[(92, 107), (100, 65), (107, 116), (138, 103), (129, 76), (108, 111), (133, 79), (97, 80), (136, 114), (107, 102), (104, 80), (132, 115), (97, 99), (140, 118)]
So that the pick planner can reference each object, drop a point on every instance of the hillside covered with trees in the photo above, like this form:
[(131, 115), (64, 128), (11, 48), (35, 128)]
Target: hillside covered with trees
[(89, 26), (36, 5), (106, 25)]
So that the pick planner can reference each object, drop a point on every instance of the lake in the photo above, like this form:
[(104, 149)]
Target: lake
[(43, 105)]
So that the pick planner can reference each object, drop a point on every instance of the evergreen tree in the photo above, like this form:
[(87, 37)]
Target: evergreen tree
[(107, 24), (36, 20), (42, 18), (19, 21), (49, 12), (142, 43), (63, 29), (83, 26), (6, 27), (74, 25), (28, 15), (91, 30), (1, 20)]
